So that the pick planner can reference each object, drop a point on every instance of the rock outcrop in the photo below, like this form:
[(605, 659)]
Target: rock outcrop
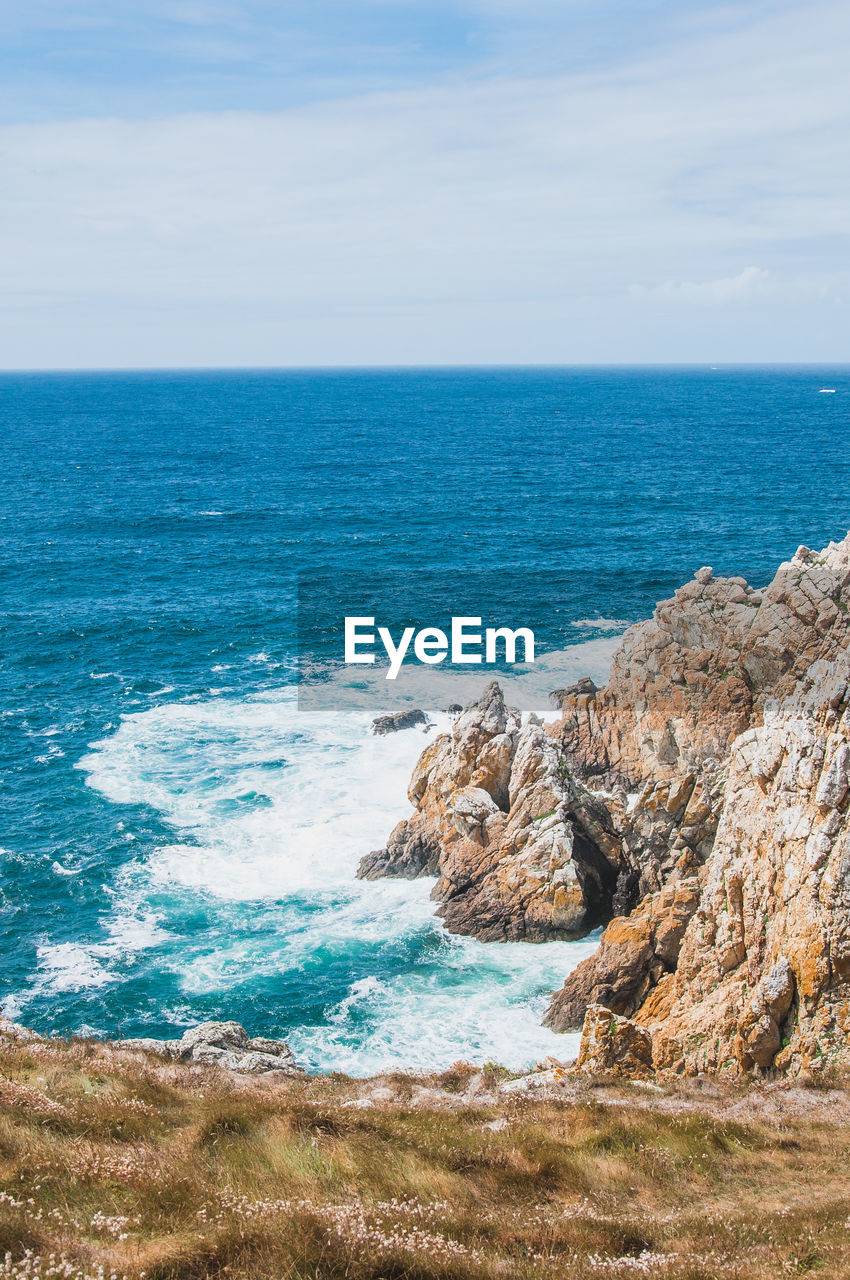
[(522, 850), (612, 1045), (411, 851), (762, 977), (399, 720), (223, 1044)]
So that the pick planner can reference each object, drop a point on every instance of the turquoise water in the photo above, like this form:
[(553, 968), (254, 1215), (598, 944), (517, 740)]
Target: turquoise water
[(179, 839)]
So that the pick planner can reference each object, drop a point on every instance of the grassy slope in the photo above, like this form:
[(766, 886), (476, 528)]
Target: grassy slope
[(137, 1166)]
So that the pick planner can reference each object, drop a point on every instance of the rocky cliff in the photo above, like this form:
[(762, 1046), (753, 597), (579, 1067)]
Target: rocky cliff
[(757, 977), (700, 800)]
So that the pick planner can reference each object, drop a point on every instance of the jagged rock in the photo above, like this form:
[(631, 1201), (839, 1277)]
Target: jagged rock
[(763, 971), (715, 765), (635, 952), (223, 1044), (613, 1045), (802, 620), (470, 808), (522, 851), (763, 967), (663, 725), (677, 695), (213, 1038), (411, 852), (397, 721), (758, 1040), (528, 856), (582, 688), (685, 684)]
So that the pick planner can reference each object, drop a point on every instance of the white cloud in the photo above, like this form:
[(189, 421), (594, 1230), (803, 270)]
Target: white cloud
[(468, 221), (750, 283)]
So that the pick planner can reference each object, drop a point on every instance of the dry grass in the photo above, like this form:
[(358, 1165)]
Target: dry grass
[(114, 1164)]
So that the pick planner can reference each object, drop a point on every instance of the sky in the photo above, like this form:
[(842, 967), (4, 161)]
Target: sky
[(408, 182)]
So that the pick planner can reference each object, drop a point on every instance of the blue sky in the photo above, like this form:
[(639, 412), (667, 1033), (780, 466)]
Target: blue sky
[(113, 58), (406, 182)]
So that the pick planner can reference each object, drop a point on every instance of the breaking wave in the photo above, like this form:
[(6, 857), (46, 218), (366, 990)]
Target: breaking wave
[(252, 909)]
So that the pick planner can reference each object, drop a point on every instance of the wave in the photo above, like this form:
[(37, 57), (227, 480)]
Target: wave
[(254, 905)]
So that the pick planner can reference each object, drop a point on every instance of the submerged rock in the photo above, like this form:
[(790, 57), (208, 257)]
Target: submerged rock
[(397, 721)]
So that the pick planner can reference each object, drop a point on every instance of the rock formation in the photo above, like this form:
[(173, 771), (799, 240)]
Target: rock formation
[(760, 979), (763, 977), (223, 1044), (700, 799), (399, 720), (522, 849), (635, 953), (614, 1045)]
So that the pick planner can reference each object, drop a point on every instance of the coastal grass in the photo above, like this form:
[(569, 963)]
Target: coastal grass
[(125, 1165)]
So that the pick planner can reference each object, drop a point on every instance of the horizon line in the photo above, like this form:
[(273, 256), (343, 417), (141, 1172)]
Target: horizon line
[(707, 365)]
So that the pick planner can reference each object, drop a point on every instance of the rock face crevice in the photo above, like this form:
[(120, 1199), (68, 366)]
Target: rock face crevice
[(700, 799)]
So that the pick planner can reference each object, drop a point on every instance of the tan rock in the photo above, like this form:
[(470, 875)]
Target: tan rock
[(523, 851), (763, 964), (634, 956), (610, 1044)]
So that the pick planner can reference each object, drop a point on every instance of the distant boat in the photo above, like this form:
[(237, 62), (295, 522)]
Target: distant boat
[(827, 391)]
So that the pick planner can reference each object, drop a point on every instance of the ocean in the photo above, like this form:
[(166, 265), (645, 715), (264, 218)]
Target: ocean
[(179, 829)]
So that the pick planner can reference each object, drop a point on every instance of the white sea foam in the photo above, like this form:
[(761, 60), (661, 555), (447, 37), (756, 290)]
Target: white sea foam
[(272, 807), (131, 932), (278, 803), (70, 966), (601, 624), (78, 966), (481, 1003)]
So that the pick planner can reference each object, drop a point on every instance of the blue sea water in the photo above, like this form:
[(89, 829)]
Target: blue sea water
[(179, 837)]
